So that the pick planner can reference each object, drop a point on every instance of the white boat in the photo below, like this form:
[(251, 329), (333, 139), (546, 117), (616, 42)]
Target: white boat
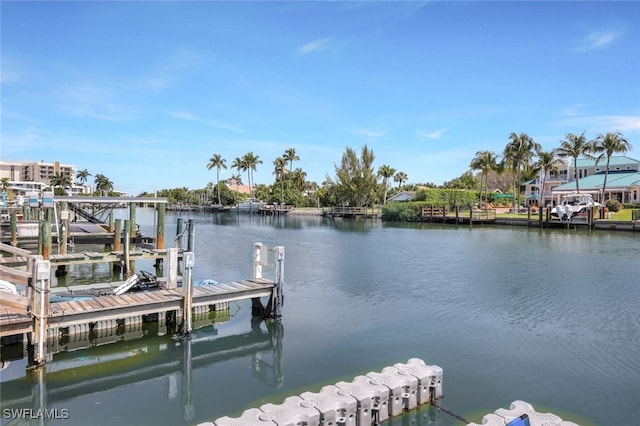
[(248, 206), (573, 204)]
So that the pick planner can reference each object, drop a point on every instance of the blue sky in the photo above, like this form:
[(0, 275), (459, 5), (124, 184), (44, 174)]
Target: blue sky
[(146, 92)]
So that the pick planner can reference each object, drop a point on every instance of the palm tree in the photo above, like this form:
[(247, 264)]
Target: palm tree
[(485, 161), (607, 145), (251, 161), (237, 179), (210, 187), (83, 175), (103, 184), (280, 170), (299, 178), (60, 180), (548, 162), (218, 162), (290, 156), (400, 177), (575, 146), (386, 172), (519, 152)]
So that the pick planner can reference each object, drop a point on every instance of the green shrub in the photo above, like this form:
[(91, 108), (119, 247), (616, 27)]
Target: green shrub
[(401, 211), (449, 197), (613, 205)]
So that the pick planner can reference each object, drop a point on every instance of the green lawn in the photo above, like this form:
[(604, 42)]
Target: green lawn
[(624, 214)]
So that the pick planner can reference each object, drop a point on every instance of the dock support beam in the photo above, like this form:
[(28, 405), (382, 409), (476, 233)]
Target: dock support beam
[(187, 287), (275, 308), (191, 236), (258, 249), (160, 230), (127, 242), (172, 273), (14, 229), (132, 219), (40, 306)]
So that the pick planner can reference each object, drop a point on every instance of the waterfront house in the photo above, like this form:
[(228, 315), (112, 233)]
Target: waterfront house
[(623, 182)]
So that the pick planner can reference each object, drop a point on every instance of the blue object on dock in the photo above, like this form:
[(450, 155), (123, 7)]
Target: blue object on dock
[(523, 420)]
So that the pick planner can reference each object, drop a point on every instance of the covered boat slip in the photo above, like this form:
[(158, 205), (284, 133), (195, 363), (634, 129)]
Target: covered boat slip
[(79, 220)]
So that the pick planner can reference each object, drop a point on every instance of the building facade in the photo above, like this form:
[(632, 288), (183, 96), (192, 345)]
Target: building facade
[(623, 181), (36, 176)]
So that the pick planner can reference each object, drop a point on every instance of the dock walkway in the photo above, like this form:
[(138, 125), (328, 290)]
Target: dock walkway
[(14, 318)]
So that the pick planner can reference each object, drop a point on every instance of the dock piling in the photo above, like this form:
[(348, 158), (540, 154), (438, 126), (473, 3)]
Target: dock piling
[(187, 287), (160, 226), (127, 247), (40, 306)]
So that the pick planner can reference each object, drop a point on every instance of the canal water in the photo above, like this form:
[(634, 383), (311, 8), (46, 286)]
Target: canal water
[(551, 317)]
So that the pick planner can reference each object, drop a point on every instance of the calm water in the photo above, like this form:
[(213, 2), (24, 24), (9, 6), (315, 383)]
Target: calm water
[(549, 317)]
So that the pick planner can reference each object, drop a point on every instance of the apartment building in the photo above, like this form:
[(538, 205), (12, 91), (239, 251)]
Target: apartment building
[(35, 176)]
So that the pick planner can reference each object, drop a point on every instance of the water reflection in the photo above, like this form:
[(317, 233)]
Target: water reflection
[(84, 365)]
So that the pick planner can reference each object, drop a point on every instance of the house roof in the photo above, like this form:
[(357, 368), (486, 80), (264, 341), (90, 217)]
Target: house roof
[(403, 196), (616, 179), (615, 161)]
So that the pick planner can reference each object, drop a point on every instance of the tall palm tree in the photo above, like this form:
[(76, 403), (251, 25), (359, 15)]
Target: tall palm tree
[(60, 180), (218, 162), (518, 153), (83, 175), (547, 162), (575, 146), (485, 161), (280, 170), (290, 156), (606, 145), (251, 161), (103, 184), (400, 177), (386, 171)]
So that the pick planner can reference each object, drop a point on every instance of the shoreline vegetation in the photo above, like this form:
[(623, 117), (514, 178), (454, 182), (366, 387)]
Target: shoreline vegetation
[(502, 214)]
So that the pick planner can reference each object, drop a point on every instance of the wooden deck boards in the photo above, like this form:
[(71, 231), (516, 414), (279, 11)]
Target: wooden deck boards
[(14, 318)]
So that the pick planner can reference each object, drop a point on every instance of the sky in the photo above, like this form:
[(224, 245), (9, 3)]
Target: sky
[(147, 92)]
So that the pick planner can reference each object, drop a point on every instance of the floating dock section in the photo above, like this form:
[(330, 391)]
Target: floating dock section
[(521, 413), (366, 400), (377, 397)]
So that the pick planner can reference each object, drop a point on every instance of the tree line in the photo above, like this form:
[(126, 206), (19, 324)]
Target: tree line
[(357, 182)]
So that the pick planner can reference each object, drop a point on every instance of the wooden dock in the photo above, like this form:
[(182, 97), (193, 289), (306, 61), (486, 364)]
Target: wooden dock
[(352, 212), (275, 209), (14, 317), (36, 317)]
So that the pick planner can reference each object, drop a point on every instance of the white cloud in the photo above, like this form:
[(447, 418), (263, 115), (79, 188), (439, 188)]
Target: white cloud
[(190, 117), (598, 40), (315, 45), (370, 135), (180, 63), (602, 123), (431, 135), (9, 76), (95, 100)]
